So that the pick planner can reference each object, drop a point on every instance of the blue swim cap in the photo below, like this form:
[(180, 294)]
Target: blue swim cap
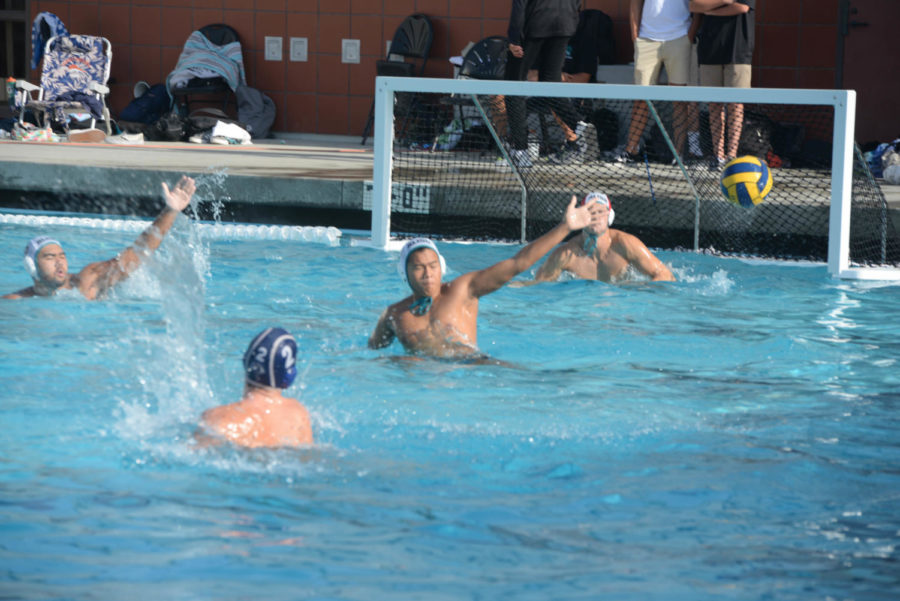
[(412, 246), (271, 359), (33, 247)]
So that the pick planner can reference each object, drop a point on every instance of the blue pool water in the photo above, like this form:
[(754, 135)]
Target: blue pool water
[(734, 435)]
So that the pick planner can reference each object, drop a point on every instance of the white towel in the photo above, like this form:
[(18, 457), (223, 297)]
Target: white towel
[(233, 133)]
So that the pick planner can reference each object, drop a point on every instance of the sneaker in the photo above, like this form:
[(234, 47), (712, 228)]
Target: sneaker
[(580, 127), (716, 163), (625, 157), (520, 159), (572, 152), (694, 144), (126, 138)]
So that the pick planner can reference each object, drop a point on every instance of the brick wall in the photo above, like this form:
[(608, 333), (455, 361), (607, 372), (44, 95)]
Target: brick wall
[(795, 44)]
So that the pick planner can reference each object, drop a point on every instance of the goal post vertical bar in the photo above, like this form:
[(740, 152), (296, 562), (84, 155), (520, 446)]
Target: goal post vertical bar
[(383, 150), (841, 182)]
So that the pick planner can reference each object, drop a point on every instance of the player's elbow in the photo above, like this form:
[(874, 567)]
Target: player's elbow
[(377, 341), (663, 275)]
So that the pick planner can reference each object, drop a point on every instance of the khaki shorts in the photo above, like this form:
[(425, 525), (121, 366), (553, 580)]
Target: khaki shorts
[(650, 56), (694, 77), (725, 76)]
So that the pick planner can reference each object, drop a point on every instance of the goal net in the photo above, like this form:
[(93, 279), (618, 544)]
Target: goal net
[(499, 160)]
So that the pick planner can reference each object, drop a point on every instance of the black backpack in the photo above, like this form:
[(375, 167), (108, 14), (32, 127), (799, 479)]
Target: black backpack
[(756, 135), (256, 111), (171, 127), (148, 107)]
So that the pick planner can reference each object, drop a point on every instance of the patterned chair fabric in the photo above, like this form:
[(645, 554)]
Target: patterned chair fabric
[(75, 72)]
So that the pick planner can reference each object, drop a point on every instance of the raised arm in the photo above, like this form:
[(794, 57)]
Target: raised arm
[(97, 278), (491, 278)]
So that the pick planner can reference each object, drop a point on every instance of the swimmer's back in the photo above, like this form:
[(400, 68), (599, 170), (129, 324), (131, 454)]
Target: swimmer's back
[(254, 424)]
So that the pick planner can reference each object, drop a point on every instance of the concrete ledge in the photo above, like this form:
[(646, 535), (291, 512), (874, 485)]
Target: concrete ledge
[(328, 173)]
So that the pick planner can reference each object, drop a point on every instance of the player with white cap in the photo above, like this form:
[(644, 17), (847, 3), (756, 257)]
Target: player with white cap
[(441, 319), (46, 262), (600, 252)]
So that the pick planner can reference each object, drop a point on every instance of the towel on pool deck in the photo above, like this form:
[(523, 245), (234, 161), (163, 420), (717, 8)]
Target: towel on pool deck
[(45, 26), (202, 58)]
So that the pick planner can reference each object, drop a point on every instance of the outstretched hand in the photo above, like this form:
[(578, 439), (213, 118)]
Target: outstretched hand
[(180, 196), (578, 218)]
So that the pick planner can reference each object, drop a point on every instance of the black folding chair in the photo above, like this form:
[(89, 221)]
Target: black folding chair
[(486, 59), (412, 40)]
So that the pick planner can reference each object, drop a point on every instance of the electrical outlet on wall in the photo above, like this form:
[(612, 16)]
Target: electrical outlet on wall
[(273, 48), (299, 49), (350, 51)]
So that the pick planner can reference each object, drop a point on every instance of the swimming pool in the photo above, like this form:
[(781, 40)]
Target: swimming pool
[(732, 435)]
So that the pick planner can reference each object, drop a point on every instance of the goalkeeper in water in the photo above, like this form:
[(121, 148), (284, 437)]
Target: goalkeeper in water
[(602, 253)]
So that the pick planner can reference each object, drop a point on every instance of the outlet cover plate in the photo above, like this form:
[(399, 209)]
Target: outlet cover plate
[(350, 51), (299, 49), (273, 48)]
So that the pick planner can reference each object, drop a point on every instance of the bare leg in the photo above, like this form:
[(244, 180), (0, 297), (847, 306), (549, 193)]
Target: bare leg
[(717, 128), (636, 127), (571, 136), (735, 125)]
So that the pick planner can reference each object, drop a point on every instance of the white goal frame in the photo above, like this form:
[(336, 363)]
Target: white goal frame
[(843, 102)]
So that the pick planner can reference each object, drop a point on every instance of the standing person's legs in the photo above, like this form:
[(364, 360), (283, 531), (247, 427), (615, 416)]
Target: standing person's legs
[(693, 110), (736, 76), (549, 65), (676, 55), (712, 76), (646, 72), (517, 70), (515, 105)]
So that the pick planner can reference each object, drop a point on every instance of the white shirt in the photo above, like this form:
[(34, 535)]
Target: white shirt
[(664, 20)]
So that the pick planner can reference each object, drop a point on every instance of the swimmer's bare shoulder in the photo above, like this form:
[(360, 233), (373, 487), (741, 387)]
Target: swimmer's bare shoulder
[(637, 254), (290, 425)]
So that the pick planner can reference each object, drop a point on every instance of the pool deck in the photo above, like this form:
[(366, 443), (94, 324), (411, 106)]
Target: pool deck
[(291, 172), (294, 170)]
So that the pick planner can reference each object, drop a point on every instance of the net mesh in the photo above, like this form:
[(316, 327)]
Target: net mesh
[(503, 168)]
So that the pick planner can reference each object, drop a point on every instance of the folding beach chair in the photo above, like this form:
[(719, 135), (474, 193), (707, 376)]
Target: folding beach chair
[(73, 81)]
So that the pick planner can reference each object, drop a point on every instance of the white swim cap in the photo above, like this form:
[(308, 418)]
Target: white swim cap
[(413, 245), (32, 249), (599, 197)]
